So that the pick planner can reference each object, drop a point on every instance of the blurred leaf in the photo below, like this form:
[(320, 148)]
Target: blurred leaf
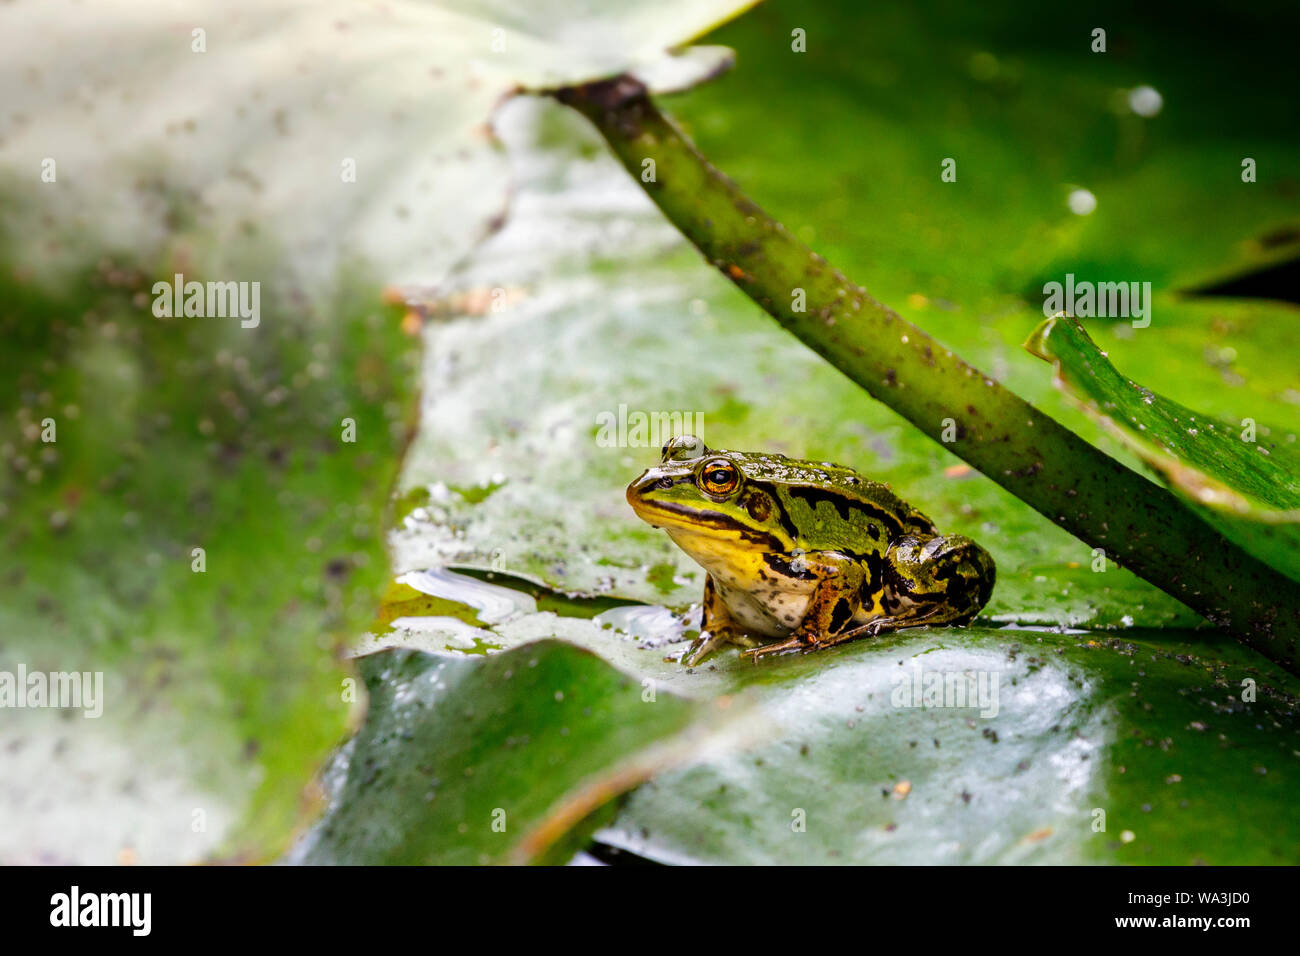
[(141, 141), (351, 135), (222, 691), (490, 760)]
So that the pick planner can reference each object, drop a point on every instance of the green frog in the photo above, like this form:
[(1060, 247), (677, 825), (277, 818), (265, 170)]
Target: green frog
[(804, 555)]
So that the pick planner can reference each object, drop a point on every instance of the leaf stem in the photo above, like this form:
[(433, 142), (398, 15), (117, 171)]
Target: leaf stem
[(1139, 524)]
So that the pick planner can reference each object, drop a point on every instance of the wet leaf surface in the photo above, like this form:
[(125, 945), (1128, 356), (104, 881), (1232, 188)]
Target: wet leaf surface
[(952, 745), (871, 762), (201, 535)]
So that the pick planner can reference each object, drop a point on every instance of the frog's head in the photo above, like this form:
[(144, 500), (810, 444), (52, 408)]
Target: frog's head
[(711, 502)]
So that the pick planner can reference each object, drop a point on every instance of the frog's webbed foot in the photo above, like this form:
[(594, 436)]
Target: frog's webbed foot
[(717, 629), (794, 643), (710, 641), (873, 628), (877, 626), (703, 646)]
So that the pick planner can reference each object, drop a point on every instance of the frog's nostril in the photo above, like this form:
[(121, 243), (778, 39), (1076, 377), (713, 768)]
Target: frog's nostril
[(641, 485), (664, 482)]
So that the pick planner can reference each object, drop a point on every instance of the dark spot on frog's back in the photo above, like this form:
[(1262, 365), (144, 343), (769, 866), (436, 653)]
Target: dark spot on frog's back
[(875, 580)]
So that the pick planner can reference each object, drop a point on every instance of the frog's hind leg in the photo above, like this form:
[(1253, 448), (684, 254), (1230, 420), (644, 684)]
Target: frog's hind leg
[(831, 609), (941, 580)]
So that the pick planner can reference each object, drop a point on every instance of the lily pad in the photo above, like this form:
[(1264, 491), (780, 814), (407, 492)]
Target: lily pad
[(978, 746), (1030, 113), (1243, 477), (352, 137), (957, 745), (503, 759), (185, 516), (193, 505)]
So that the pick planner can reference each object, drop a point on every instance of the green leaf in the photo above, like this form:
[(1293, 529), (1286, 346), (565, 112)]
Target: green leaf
[(1029, 113), (1150, 737), (221, 146), (1178, 737), (221, 686), (1243, 478), (491, 760)]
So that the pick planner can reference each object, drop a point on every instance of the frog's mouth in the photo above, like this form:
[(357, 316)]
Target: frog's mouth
[(669, 514), (657, 511)]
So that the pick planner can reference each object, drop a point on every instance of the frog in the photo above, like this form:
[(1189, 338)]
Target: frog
[(804, 555)]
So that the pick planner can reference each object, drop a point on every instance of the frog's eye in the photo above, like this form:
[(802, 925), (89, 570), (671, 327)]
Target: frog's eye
[(683, 448), (719, 478)]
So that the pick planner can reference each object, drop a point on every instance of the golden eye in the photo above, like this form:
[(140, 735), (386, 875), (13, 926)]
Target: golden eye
[(719, 478)]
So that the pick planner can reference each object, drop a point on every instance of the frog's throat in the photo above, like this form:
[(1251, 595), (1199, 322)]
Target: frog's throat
[(729, 555)]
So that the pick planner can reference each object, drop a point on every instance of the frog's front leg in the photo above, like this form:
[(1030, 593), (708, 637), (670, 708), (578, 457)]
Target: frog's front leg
[(835, 600), (716, 627), (941, 580)]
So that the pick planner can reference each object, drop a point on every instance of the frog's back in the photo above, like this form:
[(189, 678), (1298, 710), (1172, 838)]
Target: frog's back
[(834, 507)]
